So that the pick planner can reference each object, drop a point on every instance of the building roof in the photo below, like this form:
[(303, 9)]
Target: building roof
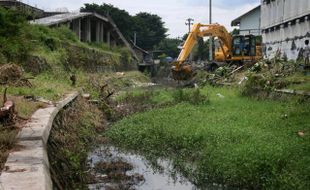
[(61, 18), (236, 22)]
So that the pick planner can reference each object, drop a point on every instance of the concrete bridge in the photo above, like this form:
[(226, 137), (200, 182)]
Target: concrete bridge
[(89, 27)]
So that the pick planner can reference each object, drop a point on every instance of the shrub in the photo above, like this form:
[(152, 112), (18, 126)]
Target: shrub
[(13, 43)]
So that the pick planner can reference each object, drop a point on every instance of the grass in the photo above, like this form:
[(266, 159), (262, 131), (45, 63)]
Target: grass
[(237, 141), (7, 140), (299, 82)]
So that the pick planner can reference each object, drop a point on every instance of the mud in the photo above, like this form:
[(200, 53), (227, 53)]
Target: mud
[(117, 170)]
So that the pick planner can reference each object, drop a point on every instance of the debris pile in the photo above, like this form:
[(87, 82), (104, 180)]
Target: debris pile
[(12, 74)]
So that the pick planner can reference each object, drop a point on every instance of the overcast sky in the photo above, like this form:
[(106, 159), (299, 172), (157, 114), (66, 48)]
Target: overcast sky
[(173, 12)]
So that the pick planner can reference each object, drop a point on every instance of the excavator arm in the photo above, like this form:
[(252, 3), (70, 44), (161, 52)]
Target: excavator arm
[(182, 71)]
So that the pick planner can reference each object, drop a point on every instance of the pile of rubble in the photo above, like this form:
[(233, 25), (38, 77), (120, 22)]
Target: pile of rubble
[(12, 75), (270, 71)]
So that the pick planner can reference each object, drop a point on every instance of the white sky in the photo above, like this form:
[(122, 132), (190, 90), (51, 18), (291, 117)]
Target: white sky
[(173, 12)]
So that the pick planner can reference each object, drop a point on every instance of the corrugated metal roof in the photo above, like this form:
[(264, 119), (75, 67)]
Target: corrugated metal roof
[(60, 18)]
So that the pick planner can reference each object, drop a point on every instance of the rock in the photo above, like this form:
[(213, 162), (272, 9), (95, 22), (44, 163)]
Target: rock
[(120, 73), (86, 96), (243, 79), (220, 95), (301, 133)]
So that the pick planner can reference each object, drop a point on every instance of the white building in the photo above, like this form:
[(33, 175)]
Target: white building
[(285, 27), (249, 23)]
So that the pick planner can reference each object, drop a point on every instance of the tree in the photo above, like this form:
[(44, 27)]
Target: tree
[(202, 52), (169, 46), (150, 30)]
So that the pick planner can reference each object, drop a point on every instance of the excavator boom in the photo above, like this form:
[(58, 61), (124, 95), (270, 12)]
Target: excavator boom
[(182, 71)]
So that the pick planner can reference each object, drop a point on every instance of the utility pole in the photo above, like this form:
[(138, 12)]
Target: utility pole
[(211, 38), (189, 23)]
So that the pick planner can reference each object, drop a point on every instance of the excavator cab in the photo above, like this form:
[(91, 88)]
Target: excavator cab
[(244, 46)]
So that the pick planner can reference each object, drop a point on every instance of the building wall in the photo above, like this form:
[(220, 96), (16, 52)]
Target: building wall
[(285, 27), (279, 11), (250, 24)]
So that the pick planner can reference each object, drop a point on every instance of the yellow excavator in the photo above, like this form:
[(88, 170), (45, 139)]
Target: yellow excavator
[(232, 49)]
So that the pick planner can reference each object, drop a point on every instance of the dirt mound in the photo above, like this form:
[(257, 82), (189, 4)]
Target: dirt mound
[(12, 74)]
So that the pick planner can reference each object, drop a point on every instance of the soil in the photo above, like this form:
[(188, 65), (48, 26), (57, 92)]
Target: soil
[(12, 74)]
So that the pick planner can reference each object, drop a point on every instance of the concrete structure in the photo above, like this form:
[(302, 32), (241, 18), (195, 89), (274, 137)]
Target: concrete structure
[(285, 26), (249, 23), (89, 27), (27, 167)]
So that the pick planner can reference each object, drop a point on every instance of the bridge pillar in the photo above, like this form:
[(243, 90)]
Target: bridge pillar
[(88, 30), (76, 26), (109, 38), (101, 32), (98, 31)]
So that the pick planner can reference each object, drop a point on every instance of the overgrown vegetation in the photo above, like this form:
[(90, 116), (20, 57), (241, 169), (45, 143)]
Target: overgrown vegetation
[(43, 60), (233, 140), (74, 131), (7, 141)]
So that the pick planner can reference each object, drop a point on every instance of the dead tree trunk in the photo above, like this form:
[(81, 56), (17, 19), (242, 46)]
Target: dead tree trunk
[(8, 108)]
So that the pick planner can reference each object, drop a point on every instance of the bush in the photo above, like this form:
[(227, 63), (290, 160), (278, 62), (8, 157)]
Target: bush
[(13, 43)]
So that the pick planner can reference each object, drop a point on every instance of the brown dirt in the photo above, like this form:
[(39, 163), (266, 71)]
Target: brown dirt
[(12, 74)]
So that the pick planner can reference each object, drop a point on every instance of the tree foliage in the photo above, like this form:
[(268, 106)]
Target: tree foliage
[(170, 47), (202, 51), (149, 28)]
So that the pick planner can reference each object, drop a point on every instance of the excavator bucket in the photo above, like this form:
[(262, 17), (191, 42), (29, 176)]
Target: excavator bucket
[(182, 73)]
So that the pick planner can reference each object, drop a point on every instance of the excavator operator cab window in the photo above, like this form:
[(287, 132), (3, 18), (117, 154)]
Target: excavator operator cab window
[(244, 45), (237, 46)]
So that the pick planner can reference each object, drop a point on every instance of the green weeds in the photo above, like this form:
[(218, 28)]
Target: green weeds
[(232, 140)]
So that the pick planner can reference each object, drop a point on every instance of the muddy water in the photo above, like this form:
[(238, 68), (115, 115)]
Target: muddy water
[(141, 176)]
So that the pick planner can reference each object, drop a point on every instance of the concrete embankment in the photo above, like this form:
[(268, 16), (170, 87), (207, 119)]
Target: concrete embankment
[(27, 166)]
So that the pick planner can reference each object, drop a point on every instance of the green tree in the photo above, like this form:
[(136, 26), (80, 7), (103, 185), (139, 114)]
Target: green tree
[(150, 30), (170, 47), (202, 51)]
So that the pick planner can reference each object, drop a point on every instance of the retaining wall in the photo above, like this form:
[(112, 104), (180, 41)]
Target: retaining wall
[(27, 167)]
